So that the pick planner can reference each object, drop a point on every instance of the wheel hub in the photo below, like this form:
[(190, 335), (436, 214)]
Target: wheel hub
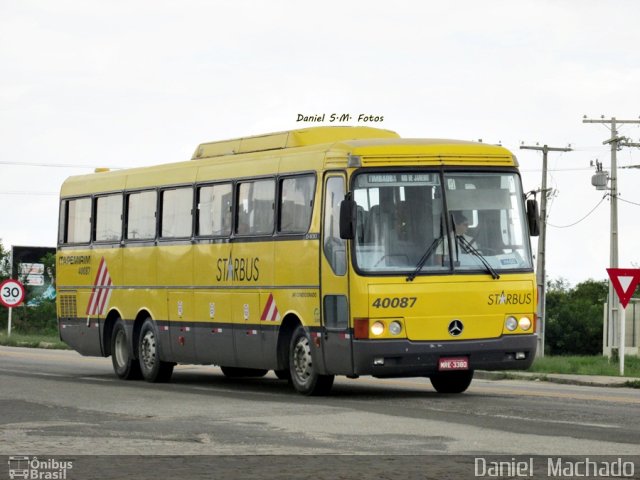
[(302, 362), (148, 350)]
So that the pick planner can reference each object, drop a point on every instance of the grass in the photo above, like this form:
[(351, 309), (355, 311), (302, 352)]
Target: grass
[(35, 340), (579, 365)]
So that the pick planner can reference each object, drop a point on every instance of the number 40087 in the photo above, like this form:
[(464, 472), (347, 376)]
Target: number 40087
[(394, 302)]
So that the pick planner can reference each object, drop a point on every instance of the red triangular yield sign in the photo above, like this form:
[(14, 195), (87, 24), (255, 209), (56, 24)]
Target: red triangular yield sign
[(625, 281)]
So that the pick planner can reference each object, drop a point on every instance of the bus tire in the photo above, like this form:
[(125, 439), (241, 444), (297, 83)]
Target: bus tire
[(124, 365), (452, 382), (153, 369), (237, 372), (304, 377)]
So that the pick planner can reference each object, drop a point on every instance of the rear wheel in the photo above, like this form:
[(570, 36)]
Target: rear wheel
[(452, 382), (124, 365), (236, 372), (304, 376), (153, 369)]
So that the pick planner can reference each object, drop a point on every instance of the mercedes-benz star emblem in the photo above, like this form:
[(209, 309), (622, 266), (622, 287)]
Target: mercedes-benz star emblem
[(455, 328)]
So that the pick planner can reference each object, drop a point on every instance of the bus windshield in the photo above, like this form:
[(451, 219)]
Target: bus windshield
[(402, 224)]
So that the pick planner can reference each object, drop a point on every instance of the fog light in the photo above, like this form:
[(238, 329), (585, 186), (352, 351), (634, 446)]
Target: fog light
[(377, 329), (525, 323), (395, 328), (521, 355), (511, 323)]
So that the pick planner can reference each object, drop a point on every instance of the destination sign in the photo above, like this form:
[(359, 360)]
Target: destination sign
[(387, 179)]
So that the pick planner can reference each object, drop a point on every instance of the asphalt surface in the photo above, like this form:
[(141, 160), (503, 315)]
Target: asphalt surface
[(57, 404)]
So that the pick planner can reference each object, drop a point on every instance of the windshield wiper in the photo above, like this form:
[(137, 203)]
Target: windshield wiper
[(471, 249), (424, 258)]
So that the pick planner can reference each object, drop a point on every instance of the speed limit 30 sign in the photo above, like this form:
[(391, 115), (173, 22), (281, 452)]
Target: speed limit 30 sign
[(11, 293)]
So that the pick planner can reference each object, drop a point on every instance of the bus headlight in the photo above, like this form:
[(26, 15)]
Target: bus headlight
[(511, 323), (377, 329), (395, 328), (525, 323)]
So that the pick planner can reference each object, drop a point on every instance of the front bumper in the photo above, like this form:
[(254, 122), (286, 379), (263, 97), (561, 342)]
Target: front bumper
[(406, 358)]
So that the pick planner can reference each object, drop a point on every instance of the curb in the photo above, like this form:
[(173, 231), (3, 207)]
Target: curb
[(580, 380)]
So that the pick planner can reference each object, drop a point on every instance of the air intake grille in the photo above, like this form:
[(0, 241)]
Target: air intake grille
[(68, 305)]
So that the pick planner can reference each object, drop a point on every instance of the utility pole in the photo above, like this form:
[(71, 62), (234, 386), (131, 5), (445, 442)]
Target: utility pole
[(540, 268), (616, 142)]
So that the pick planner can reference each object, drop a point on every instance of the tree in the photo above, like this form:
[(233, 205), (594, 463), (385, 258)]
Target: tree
[(574, 317), (4, 263)]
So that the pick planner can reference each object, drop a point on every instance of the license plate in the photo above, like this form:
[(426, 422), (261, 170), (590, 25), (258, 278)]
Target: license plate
[(453, 363)]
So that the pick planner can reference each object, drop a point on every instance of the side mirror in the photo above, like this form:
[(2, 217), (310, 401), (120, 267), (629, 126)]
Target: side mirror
[(533, 218), (348, 211)]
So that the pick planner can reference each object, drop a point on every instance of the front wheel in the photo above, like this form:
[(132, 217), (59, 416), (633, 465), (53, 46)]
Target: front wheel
[(124, 365), (304, 375), (452, 382), (153, 369)]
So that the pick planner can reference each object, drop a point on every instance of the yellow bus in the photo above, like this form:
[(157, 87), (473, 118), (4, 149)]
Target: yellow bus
[(313, 253)]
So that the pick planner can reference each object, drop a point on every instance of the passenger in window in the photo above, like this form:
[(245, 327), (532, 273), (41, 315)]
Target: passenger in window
[(462, 241), (461, 227)]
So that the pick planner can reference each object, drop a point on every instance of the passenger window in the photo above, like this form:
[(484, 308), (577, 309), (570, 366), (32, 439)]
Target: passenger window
[(334, 247), (177, 205), (296, 204), (108, 219), (141, 215), (214, 210), (77, 221), (255, 207)]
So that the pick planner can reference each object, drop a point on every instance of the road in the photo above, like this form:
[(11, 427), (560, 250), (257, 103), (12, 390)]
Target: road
[(59, 403)]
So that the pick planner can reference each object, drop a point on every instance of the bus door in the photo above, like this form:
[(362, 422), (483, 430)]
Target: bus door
[(334, 282), (252, 251)]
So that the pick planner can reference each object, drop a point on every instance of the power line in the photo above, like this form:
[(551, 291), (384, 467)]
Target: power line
[(583, 218), (615, 142), (627, 201)]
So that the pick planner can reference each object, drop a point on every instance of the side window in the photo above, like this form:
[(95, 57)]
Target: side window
[(334, 247), (176, 219), (214, 210), (108, 218), (141, 215), (336, 311), (296, 204), (256, 201), (76, 221)]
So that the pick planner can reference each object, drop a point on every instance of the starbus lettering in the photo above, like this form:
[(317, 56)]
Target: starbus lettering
[(238, 269), (510, 299)]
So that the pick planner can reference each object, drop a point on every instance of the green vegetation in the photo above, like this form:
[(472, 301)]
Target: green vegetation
[(574, 317), (586, 365), (32, 340)]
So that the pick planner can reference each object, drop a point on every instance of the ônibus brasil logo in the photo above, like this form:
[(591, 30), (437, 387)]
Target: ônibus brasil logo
[(38, 469)]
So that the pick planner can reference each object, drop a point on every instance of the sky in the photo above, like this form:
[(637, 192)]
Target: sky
[(124, 83)]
